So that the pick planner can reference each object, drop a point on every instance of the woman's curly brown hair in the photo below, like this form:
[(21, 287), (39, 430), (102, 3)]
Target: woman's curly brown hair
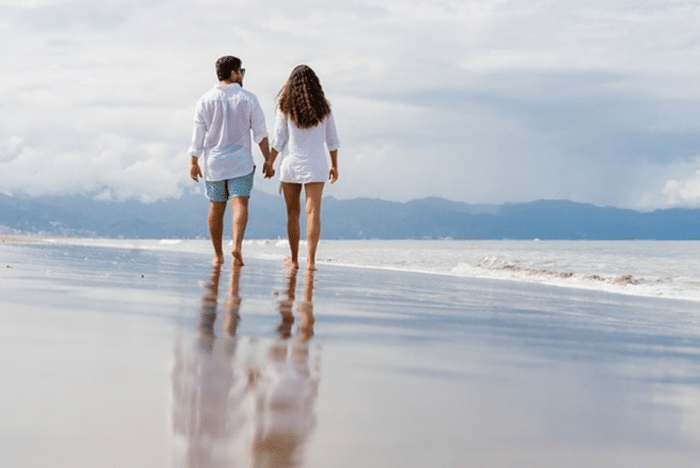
[(302, 99)]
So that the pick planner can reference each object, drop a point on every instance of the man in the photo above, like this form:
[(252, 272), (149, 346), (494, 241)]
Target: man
[(223, 120)]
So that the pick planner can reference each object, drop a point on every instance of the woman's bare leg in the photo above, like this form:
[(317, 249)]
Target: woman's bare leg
[(292, 195), (314, 192)]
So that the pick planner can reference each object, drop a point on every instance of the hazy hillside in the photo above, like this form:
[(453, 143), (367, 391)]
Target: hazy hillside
[(362, 218)]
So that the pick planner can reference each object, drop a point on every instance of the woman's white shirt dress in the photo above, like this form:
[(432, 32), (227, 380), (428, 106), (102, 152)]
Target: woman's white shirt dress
[(304, 151)]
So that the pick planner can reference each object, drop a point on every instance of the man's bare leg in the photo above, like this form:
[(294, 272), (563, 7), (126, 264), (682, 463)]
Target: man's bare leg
[(292, 195), (215, 221), (233, 303), (314, 192), (239, 220)]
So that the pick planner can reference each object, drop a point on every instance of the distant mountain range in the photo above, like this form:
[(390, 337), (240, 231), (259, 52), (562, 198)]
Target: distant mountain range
[(361, 218)]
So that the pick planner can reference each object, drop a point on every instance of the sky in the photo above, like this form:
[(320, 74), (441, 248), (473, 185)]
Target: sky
[(479, 101)]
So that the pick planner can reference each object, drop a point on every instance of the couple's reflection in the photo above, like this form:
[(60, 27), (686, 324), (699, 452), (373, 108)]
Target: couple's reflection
[(306, 308), (246, 400), (284, 415)]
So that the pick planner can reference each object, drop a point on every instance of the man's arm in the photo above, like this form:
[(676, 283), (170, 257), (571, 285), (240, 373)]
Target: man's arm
[(198, 135), (267, 166)]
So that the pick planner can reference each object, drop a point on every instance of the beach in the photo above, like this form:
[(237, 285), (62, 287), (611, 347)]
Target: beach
[(137, 353)]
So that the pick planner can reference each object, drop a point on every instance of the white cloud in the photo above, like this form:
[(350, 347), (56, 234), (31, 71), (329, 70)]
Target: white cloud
[(144, 171), (684, 190), (479, 101)]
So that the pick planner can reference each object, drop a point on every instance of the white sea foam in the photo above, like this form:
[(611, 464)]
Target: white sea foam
[(645, 268), (170, 241)]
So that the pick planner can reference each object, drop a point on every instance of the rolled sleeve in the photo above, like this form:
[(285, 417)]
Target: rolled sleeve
[(280, 134), (332, 140)]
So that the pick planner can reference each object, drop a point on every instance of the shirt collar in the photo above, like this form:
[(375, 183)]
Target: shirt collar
[(219, 85)]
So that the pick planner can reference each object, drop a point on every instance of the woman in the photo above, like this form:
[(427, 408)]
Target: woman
[(304, 130)]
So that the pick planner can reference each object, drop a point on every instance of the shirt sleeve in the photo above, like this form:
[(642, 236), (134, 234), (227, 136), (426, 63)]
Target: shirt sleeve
[(280, 134), (257, 122), (332, 140), (200, 131)]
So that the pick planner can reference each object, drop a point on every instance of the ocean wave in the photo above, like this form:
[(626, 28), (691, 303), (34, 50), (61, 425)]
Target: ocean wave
[(495, 266)]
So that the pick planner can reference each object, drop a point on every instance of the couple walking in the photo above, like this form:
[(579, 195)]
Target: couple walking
[(304, 128)]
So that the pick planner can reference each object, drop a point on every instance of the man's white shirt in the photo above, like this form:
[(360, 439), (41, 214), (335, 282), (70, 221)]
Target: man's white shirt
[(223, 120)]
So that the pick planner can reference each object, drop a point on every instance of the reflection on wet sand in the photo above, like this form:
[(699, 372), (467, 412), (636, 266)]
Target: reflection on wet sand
[(287, 386), (225, 386), (206, 395)]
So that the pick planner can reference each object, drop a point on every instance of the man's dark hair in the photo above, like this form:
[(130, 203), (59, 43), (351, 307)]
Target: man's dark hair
[(225, 65)]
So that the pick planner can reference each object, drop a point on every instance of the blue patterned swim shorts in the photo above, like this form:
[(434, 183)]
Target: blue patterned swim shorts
[(222, 190)]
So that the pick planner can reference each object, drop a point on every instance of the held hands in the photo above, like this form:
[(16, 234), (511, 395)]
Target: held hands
[(270, 156), (333, 174), (268, 170)]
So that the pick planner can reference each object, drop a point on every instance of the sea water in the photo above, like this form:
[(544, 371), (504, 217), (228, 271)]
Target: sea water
[(667, 269)]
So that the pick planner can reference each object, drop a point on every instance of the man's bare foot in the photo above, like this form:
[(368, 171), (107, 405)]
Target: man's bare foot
[(218, 260), (291, 264), (237, 258), (311, 266)]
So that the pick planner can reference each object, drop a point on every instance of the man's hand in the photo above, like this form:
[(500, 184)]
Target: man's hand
[(195, 171)]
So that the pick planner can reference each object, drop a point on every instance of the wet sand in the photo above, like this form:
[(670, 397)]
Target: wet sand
[(136, 357)]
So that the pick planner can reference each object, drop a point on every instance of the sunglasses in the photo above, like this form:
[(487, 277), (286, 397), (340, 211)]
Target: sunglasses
[(242, 71)]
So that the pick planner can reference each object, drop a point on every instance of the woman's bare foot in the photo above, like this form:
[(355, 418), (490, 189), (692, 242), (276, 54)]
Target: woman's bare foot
[(218, 260), (311, 266), (291, 264), (237, 258)]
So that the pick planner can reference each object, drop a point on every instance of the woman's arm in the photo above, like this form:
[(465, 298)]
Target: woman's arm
[(333, 172)]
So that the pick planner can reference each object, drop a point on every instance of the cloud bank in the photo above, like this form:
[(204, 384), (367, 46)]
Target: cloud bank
[(484, 101)]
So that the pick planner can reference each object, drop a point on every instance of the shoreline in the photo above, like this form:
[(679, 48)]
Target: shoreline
[(512, 271), (22, 238)]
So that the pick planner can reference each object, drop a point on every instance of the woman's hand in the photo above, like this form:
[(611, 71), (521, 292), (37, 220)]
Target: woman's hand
[(333, 174)]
